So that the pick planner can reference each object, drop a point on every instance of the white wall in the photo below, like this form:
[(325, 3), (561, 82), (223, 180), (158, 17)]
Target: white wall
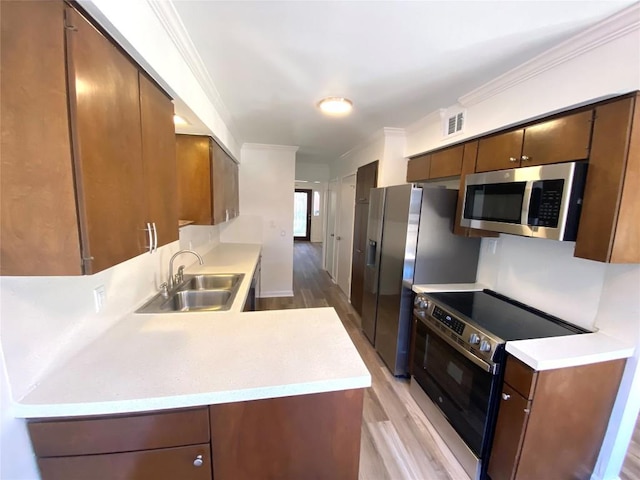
[(267, 177), (361, 155), (544, 273), (392, 169)]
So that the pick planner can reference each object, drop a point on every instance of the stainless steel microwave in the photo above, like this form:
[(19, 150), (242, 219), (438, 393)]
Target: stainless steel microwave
[(543, 201)]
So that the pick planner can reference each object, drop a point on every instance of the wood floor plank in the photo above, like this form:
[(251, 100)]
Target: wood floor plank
[(398, 442)]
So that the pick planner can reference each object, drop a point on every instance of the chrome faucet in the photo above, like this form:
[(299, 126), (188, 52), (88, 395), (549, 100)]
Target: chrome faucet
[(172, 280)]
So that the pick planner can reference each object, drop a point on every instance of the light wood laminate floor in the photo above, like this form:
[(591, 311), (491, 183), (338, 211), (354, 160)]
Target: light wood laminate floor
[(397, 440)]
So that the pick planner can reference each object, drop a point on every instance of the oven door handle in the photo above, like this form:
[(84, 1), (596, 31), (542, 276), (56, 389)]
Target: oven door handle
[(492, 368)]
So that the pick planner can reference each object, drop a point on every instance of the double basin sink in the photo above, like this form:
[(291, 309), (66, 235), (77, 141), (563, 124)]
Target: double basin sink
[(197, 293)]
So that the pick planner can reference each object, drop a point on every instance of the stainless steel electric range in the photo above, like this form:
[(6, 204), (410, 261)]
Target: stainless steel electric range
[(457, 364)]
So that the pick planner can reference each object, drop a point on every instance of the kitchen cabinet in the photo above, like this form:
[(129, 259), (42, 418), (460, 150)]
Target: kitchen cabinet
[(103, 144), (194, 178), (609, 230), (207, 181), (551, 423), (39, 227), (366, 179), (469, 154), (440, 164), (271, 438), (156, 445), (291, 437), (561, 139), (225, 185)]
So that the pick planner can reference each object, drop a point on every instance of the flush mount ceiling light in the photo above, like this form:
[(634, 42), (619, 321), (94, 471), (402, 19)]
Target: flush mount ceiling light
[(335, 105), (178, 120)]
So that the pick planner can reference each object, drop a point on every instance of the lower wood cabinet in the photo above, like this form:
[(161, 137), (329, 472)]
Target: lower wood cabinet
[(305, 436), (551, 423)]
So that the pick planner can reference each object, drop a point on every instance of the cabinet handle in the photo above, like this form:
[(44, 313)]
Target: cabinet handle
[(150, 234), (506, 396), (524, 158), (513, 159), (526, 410), (155, 237), (198, 461)]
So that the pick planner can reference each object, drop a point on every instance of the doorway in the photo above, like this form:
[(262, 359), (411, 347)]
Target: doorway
[(344, 233), (302, 214), (332, 204)]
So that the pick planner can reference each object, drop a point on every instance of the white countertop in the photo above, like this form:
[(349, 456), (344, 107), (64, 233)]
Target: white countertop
[(569, 351), (175, 360), (553, 352)]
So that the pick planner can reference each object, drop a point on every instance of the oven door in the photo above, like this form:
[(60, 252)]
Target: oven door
[(462, 389)]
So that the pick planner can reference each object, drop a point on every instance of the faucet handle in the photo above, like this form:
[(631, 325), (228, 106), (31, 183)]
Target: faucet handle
[(164, 289)]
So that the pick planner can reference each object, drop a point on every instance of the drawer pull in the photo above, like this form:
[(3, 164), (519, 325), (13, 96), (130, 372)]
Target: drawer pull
[(513, 159), (198, 461), (506, 396)]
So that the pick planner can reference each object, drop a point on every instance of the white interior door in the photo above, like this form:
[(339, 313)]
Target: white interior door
[(332, 205), (344, 232)]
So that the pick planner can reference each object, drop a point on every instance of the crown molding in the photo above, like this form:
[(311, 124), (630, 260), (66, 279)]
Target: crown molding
[(394, 132), (266, 146), (172, 23), (609, 29)]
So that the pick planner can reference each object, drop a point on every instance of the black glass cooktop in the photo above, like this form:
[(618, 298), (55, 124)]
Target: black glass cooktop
[(504, 317)]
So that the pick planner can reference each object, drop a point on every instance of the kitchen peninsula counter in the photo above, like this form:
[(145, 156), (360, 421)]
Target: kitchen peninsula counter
[(148, 362)]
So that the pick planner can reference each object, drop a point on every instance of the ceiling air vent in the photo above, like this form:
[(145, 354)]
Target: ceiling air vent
[(453, 123)]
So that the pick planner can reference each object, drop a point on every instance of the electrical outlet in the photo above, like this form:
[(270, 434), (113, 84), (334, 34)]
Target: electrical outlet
[(99, 298)]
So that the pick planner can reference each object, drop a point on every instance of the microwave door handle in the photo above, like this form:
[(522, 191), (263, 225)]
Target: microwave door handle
[(526, 202)]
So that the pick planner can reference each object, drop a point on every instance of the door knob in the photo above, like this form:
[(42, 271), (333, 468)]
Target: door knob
[(332, 235), (338, 237), (198, 461)]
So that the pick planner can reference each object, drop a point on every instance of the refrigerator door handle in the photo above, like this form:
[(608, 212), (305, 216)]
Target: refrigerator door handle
[(371, 253)]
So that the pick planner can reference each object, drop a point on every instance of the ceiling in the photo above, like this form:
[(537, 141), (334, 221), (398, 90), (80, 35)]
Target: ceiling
[(272, 61)]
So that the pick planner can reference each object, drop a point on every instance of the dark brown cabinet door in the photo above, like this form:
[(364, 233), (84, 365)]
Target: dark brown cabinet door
[(230, 187), (609, 228), (510, 428), (446, 163), (500, 151), (219, 173), (307, 436), (39, 230), (194, 178), (159, 160), (418, 168), (366, 179), (561, 140), (184, 463), (105, 112)]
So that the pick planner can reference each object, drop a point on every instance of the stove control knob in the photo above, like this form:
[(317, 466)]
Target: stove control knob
[(485, 346), (474, 339)]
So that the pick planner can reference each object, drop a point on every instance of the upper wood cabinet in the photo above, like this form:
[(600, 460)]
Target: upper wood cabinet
[(366, 179), (440, 164), (83, 200), (545, 429), (193, 156), (207, 181), (562, 139), (609, 229), (39, 227)]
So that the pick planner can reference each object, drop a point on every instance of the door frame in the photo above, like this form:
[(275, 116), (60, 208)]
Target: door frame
[(307, 237)]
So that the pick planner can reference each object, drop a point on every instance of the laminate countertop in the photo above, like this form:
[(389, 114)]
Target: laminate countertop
[(554, 352), (150, 362)]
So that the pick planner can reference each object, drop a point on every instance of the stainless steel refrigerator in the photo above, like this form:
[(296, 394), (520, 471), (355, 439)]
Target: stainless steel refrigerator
[(409, 241)]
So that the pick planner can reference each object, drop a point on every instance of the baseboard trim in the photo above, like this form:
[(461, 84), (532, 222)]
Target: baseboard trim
[(282, 293)]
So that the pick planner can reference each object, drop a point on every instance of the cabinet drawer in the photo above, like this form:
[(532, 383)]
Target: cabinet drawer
[(521, 377), (162, 464), (122, 433)]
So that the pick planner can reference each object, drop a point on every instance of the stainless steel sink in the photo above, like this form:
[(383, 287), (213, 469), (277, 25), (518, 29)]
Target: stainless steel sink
[(197, 293), (226, 281)]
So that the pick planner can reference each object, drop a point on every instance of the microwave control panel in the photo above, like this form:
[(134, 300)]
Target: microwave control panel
[(546, 199)]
